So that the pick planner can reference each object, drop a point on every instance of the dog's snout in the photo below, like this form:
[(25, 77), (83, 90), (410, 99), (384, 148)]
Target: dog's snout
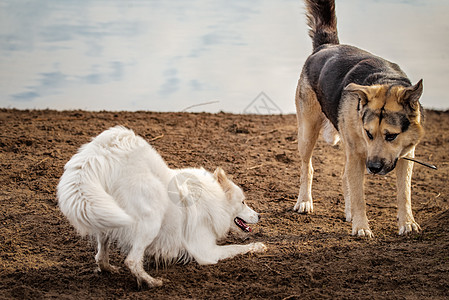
[(374, 166)]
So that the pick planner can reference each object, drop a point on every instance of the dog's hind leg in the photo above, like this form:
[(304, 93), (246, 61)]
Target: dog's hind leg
[(330, 134), (310, 119), (102, 257), (134, 260), (406, 222), (346, 196)]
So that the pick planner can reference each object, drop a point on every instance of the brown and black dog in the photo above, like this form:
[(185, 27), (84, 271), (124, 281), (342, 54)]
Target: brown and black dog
[(366, 101)]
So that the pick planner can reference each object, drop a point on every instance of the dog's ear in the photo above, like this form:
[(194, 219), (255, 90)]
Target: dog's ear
[(222, 179), (411, 95), (360, 90)]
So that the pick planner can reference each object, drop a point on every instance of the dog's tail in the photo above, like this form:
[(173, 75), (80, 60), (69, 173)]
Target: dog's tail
[(88, 207), (322, 22)]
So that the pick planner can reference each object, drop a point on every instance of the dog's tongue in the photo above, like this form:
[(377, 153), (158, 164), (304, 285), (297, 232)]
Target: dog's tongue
[(240, 223)]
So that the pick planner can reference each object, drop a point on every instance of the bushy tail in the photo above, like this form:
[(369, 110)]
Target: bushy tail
[(322, 21), (89, 209)]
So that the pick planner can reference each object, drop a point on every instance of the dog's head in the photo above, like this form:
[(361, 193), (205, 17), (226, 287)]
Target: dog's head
[(242, 214), (392, 122)]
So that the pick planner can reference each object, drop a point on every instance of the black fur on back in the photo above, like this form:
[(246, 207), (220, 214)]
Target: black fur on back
[(322, 21), (332, 66)]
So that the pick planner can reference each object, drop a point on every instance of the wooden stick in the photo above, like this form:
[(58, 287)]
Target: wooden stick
[(199, 104), (255, 167), (420, 162), (156, 138)]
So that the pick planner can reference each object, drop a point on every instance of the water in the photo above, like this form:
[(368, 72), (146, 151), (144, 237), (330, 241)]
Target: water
[(234, 56)]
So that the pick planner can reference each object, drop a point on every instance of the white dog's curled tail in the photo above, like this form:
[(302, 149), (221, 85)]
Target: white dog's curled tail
[(89, 208)]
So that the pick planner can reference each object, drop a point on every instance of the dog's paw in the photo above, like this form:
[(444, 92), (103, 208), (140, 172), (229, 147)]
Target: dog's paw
[(305, 207), (107, 269), (156, 282), (362, 232), (150, 282), (409, 228), (258, 247)]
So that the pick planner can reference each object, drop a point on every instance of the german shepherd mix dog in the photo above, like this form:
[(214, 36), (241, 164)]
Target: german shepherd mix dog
[(366, 101)]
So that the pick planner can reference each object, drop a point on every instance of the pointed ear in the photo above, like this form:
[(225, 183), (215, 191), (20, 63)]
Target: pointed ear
[(222, 178), (412, 94), (360, 90)]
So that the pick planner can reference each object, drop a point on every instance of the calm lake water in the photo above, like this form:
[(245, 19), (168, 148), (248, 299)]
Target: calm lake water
[(236, 56)]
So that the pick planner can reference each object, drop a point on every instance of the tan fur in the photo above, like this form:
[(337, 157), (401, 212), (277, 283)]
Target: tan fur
[(359, 148), (310, 119)]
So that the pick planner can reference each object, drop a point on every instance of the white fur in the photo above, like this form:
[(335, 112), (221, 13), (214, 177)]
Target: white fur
[(330, 134), (118, 188)]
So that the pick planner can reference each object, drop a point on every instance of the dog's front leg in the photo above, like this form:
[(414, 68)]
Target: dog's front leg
[(354, 175), (406, 222), (230, 251), (215, 253)]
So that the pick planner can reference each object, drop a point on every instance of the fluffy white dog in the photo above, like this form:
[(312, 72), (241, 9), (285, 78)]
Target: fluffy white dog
[(118, 188)]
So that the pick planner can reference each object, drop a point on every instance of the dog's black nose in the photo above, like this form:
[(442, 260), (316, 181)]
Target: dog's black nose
[(259, 216), (374, 166)]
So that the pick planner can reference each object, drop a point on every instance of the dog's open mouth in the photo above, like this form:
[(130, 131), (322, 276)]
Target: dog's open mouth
[(242, 225)]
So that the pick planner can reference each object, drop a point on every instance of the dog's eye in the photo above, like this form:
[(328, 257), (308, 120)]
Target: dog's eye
[(370, 136), (391, 137)]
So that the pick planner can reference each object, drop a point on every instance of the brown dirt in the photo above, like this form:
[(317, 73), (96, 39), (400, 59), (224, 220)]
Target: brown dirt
[(310, 256)]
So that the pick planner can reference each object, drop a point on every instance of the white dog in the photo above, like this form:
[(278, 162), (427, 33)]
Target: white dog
[(118, 188)]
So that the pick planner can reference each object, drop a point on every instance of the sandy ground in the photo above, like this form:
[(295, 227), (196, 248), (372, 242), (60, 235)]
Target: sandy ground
[(309, 257)]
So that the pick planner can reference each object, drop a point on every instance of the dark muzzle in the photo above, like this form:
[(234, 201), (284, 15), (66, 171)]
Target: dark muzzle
[(378, 165)]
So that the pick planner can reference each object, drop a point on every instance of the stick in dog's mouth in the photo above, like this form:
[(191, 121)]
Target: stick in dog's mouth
[(420, 162)]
